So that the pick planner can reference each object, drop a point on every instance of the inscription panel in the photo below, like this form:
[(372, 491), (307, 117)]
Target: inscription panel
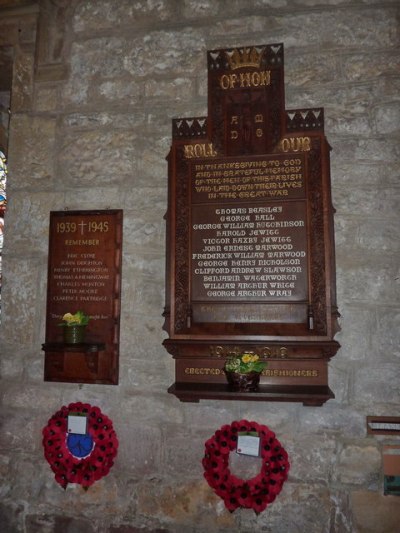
[(249, 252), (277, 372), (84, 273)]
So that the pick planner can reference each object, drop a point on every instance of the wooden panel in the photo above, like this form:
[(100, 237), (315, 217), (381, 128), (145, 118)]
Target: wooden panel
[(84, 273)]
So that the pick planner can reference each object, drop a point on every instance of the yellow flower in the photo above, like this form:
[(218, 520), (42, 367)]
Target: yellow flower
[(254, 358), (68, 317), (246, 358)]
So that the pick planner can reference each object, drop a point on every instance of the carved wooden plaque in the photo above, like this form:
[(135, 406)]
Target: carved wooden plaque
[(250, 249), (84, 273)]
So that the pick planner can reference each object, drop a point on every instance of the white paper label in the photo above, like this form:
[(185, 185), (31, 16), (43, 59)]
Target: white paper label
[(248, 444), (77, 424)]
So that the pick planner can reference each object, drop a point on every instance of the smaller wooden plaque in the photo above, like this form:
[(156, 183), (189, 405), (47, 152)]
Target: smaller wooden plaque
[(84, 273)]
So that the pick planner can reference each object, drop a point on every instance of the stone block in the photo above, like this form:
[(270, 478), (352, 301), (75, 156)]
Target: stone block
[(362, 174), (92, 198), (11, 516), (299, 507), (369, 283), (153, 169), (302, 70), (22, 87), (199, 9), (18, 293), (378, 385), (359, 326), (137, 373), (105, 119), (363, 201), (95, 158), (333, 419), (374, 512), (310, 456), (18, 434), (359, 464), (117, 91), (380, 234), (142, 327), (387, 343), (368, 149), (387, 118), (109, 14), (45, 523), (142, 229), (139, 453), (31, 156), (150, 409), (133, 529), (32, 209), (185, 503), (174, 89), (46, 98), (183, 453), (363, 67)]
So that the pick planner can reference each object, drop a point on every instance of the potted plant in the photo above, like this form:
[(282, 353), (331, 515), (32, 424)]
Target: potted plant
[(243, 371), (74, 327)]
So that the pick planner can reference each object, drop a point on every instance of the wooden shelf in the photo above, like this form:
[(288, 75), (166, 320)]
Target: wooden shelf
[(309, 395), (84, 347)]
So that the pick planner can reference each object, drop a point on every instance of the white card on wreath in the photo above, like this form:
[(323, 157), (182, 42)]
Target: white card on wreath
[(248, 444), (77, 423)]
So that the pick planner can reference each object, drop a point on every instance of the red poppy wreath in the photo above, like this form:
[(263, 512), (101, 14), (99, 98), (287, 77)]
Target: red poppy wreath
[(80, 458), (255, 493)]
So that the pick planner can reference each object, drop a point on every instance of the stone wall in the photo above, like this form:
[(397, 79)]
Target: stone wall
[(96, 84)]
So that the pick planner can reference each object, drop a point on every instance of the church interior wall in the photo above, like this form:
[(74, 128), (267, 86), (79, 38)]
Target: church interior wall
[(95, 86)]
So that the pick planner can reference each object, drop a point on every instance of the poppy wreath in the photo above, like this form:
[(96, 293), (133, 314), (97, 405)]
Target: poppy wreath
[(81, 459), (255, 493)]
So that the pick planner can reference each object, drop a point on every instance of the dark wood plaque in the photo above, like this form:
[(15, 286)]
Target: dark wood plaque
[(84, 273), (250, 249)]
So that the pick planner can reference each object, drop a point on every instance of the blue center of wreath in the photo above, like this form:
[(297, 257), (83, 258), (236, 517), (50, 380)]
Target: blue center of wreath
[(79, 445)]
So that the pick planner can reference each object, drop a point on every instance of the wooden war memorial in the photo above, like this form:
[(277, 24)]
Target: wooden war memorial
[(250, 242), (84, 273)]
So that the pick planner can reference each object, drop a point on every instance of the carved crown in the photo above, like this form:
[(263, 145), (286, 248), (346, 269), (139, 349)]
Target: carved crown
[(244, 57)]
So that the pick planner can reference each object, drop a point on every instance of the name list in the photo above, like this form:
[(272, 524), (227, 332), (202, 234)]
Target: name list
[(244, 251)]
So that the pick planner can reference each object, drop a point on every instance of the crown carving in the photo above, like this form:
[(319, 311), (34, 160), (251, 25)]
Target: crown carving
[(244, 57)]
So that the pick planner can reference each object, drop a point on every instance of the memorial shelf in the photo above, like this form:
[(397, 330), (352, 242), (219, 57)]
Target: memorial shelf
[(250, 242)]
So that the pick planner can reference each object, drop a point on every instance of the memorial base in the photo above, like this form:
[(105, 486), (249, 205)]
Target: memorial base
[(79, 363)]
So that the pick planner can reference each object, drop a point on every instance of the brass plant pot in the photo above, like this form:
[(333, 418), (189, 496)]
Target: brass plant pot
[(243, 382), (74, 334)]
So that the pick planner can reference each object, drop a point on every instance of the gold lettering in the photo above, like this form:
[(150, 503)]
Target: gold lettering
[(234, 119), (202, 371), (259, 132), (259, 118), (199, 150), (224, 82), (245, 79), (296, 373), (296, 144), (234, 134)]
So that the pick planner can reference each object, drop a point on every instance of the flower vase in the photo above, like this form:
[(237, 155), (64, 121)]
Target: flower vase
[(74, 334), (243, 382)]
